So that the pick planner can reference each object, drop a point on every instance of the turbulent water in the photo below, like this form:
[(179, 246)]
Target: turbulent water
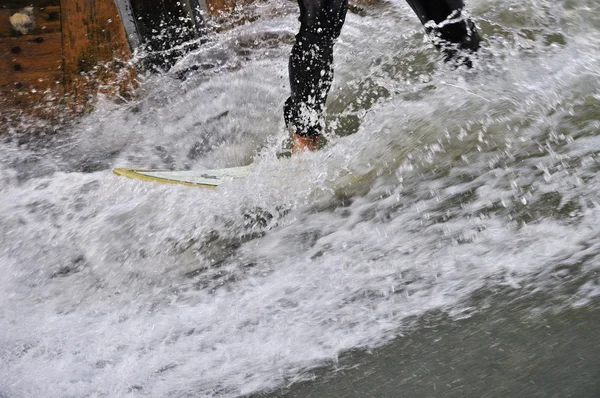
[(443, 197)]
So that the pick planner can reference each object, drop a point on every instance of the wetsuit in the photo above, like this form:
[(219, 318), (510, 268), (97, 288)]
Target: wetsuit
[(311, 60)]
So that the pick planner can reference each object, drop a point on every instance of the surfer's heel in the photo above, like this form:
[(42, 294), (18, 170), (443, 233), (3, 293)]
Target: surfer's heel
[(305, 143)]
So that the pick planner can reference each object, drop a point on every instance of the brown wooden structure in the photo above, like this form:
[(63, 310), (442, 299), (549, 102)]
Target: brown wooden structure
[(56, 55)]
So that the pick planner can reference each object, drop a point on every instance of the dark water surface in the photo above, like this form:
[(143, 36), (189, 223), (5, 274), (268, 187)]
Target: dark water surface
[(502, 352)]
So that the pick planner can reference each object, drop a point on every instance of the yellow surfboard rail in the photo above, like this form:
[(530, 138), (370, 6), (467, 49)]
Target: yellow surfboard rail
[(137, 175)]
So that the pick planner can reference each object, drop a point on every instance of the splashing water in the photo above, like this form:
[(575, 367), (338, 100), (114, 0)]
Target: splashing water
[(436, 184)]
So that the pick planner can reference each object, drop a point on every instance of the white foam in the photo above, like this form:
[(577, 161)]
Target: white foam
[(117, 287)]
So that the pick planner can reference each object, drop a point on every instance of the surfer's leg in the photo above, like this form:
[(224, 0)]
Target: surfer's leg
[(453, 33), (311, 65)]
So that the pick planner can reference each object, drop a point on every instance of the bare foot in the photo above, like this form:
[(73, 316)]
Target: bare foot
[(302, 143)]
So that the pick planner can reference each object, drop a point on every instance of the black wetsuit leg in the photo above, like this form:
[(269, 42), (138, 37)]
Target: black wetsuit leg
[(451, 30), (311, 64), (311, 60)]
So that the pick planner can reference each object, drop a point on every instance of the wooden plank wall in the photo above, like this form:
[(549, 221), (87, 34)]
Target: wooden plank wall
[(95, 51), (215, 7), (31, 63), (56, 63), (69, 51)]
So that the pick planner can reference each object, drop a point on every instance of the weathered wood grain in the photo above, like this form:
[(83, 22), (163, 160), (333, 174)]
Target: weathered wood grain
[(32, 61), (95, 50), (32, 80), (47, 20), (217, 6), (77, 49), (27, 3)]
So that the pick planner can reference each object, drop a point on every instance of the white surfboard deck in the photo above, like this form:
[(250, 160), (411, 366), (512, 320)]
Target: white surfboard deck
[(198, 178)]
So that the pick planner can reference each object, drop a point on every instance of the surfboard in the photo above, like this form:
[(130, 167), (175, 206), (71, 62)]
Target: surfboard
[(197, 178)]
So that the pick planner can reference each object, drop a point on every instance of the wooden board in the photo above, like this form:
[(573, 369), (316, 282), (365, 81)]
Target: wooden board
[(47, 20), (74, 50), (216, 6), (33, 60), (27, 3), (32, 78), (95, 51)]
